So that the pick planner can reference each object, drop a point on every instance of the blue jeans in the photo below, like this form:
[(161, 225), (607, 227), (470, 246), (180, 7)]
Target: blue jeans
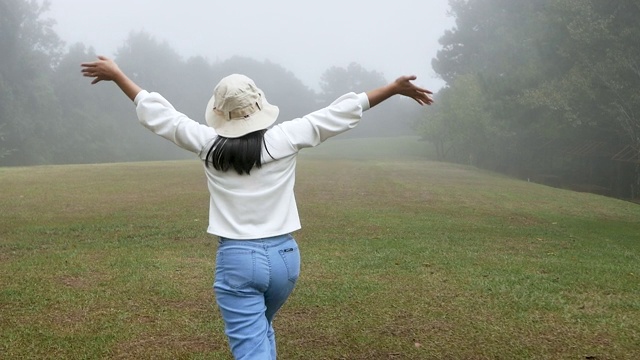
[(253, 280)]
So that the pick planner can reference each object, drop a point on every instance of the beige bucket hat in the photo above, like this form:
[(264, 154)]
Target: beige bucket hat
[(238, 107)]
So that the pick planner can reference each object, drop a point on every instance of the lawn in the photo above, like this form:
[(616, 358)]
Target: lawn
[(403, 258)]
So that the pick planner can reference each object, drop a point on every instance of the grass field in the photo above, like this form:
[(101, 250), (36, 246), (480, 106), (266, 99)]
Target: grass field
[(402, 259)]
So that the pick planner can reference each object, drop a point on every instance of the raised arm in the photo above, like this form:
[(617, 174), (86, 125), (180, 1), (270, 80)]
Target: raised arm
[(107, 70), (401, 86), (154, 111)]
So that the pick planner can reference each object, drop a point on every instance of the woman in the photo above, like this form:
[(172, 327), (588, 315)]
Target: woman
[(250, 169)]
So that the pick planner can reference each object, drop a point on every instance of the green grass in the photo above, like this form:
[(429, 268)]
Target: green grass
[(402, 259)]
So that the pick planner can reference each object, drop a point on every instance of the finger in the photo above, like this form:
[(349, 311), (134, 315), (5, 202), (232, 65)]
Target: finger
[(95, 81), (418, 100), (101, 58), (406, 78), (423, 90), (426, 99)]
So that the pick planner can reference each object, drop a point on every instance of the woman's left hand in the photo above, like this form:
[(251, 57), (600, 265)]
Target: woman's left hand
[(101, 69)]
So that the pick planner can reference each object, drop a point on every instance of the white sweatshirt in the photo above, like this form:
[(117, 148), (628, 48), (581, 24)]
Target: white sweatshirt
[(262, 204)]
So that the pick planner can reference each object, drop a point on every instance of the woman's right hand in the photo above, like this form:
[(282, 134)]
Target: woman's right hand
[(404, 86)]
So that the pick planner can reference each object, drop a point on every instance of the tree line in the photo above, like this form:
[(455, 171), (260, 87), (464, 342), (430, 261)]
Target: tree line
[(547, 90), (49, 113), (542, 89)]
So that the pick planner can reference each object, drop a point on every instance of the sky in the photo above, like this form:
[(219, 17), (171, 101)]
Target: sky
[(394, 37)]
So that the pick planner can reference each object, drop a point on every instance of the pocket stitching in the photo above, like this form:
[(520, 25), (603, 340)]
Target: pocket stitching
[(251, 279), (292, 278)]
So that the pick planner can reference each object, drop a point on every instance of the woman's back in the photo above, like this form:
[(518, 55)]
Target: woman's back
[(262, 203)]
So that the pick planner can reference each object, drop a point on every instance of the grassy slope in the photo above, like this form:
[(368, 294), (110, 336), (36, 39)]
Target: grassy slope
[(402, 259)]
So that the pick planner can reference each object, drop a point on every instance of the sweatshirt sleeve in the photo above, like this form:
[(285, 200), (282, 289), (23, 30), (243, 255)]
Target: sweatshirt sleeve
[(158, 115), (311, 130)]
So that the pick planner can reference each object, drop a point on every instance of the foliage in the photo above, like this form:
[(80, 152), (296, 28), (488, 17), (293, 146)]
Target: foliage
[(461, 126), (601, 83), (29, 50), (49, 114), (392, 118), (4, 152), (336, 80), (550, 74)]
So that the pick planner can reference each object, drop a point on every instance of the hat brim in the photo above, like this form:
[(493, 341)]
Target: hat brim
[(239, 127)]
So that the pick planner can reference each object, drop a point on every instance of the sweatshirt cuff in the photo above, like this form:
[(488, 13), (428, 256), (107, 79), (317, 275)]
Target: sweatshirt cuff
[(142, 94), (364, 101)]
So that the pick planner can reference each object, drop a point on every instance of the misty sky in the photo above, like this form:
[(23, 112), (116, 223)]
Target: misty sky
[(395, 37)]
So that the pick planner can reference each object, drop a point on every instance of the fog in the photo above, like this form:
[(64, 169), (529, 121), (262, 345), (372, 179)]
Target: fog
[(527, 92), (396, 38)]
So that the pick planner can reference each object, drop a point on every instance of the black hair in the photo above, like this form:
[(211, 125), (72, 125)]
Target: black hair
[(241, 154)]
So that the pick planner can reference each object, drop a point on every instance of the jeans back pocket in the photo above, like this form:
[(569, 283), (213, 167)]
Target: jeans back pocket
[(291, 258), (237, 267)]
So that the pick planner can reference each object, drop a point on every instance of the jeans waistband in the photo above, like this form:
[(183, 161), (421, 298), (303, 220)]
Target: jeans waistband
[(261, 242)]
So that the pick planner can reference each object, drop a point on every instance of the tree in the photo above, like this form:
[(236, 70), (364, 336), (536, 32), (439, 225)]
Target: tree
[(4, 152), (88, 131), (598, 91), (461, 126), (155, 66), (336, 81), (493, 50), (30, 48), (393, 118), (548, 72), (602, 79)]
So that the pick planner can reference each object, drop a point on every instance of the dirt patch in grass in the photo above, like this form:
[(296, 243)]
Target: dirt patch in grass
[(83, 282), (153, 346), (201, 301)]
